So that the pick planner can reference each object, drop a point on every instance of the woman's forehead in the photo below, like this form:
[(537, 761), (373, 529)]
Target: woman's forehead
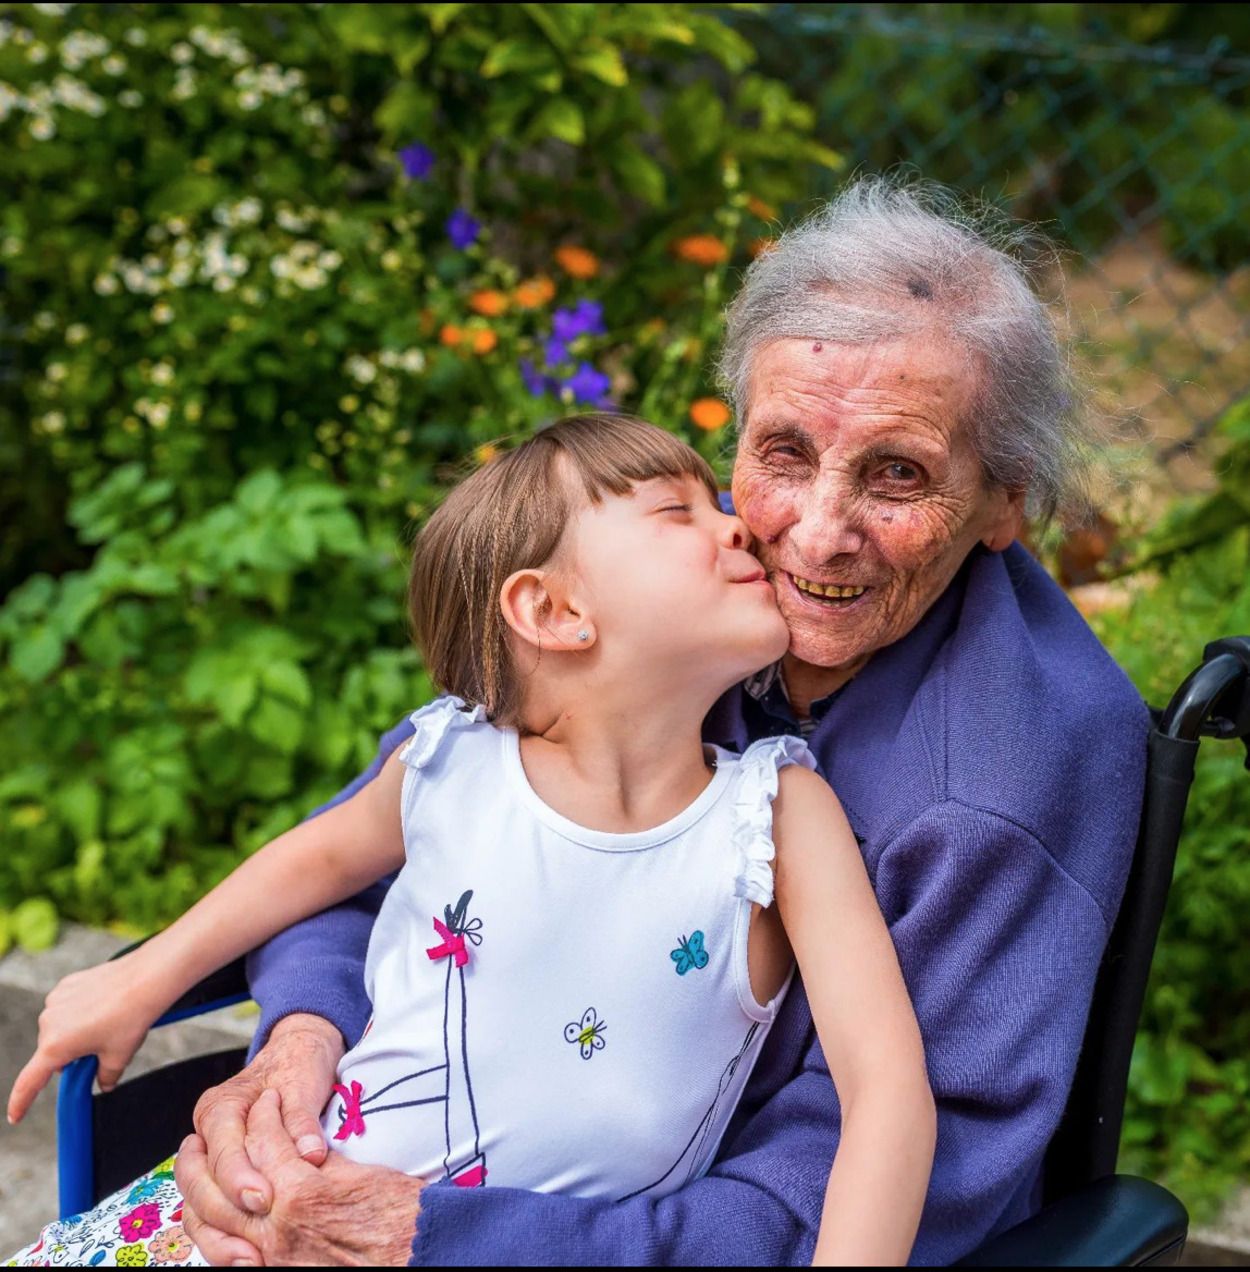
[(821, 393)]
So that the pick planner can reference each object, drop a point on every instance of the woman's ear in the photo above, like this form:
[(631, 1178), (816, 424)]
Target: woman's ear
[(1005, 526), (540, 611)]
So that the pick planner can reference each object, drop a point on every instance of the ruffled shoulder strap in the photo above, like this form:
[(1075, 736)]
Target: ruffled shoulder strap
[(759, 766), (432, 724)]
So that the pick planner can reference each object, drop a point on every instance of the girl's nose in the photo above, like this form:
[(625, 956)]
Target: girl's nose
[(734, 532)]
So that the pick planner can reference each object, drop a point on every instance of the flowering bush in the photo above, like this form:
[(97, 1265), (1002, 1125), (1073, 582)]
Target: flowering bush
[(274, 275)]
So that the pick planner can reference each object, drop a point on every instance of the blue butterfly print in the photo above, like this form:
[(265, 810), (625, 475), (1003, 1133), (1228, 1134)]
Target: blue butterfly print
[(588, 1031), (689, 953)]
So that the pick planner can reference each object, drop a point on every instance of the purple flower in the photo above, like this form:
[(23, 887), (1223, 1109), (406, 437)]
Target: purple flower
[(588, 385), (535, 381), (417, 160), (555, 351), (584, 319), (462, 229)]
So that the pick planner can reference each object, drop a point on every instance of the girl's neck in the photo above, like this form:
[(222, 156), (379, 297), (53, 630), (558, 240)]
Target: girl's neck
[(613, 766)]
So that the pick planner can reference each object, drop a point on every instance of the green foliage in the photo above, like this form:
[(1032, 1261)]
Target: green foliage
[(242, 353), (1188, 1119)]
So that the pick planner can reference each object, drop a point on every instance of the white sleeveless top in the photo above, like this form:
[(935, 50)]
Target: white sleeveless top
[(557, 1008)]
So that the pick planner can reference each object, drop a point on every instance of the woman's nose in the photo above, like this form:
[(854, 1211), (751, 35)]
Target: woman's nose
[(823, 532)]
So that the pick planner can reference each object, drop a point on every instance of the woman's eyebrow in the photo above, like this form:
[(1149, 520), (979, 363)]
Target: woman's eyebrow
[(785, 431)]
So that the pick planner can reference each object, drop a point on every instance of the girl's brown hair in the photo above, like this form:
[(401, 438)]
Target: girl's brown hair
[(510, 515)]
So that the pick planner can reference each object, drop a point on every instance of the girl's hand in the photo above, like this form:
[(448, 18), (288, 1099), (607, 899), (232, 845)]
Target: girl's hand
[(103, 1011)]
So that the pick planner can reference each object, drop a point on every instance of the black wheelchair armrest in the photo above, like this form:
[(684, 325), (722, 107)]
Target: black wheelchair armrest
[(218, 989), (1119, 1221)]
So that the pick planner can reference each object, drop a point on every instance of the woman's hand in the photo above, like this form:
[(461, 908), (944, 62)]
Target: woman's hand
[(103, 1011), (219, 1180), (342, 1213)]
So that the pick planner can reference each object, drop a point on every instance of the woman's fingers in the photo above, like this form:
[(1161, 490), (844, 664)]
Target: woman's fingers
[(208, 1217), (304, 1128), (221, 1120)]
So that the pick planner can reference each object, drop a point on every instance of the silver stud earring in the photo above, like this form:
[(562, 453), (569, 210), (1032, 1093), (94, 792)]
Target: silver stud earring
[(583, 635)]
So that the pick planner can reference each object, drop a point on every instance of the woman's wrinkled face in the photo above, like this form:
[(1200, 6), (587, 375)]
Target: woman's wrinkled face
[(857, 479)]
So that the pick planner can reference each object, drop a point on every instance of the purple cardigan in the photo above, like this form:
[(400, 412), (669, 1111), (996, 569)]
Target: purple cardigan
[(991, 764)]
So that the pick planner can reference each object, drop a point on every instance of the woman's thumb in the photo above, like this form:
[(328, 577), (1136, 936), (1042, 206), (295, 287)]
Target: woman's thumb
[(305, 1132)]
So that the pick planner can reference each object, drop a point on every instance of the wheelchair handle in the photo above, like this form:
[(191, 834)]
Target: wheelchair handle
[(1214, 699)]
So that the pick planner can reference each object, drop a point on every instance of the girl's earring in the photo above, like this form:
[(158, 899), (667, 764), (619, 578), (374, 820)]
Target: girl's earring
[(583, 635)]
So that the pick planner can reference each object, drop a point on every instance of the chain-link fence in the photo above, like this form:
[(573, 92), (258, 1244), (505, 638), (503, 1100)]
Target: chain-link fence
[(1134, 155)]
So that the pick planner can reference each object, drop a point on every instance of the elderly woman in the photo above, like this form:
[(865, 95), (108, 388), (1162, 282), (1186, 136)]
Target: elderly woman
[(903, 400)]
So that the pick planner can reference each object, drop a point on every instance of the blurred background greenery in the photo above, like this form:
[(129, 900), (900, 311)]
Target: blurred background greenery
[(274, 275)]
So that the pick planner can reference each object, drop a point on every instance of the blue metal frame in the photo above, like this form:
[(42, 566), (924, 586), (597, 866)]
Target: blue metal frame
[(75, 1134)]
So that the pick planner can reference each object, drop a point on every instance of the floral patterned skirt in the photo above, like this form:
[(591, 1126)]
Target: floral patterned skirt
[(138, 1227)]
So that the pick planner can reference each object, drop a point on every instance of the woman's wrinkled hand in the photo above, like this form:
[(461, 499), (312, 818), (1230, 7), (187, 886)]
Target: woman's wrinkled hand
[(219, 1181), (339, 1214)]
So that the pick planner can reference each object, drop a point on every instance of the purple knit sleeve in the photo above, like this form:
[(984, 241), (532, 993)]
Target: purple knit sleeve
[(999, 948), (318, 965)]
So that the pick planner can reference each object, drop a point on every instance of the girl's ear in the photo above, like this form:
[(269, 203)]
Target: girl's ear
[(541, 612)]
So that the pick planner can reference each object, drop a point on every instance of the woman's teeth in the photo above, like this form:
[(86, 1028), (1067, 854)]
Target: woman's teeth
[(827, 591)]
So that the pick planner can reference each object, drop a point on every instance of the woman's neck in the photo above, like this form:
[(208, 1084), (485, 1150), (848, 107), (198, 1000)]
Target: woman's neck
[(615, 766), (806, 683)]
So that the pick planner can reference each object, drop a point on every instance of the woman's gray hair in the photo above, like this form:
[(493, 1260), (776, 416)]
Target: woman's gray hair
[(885, 258)]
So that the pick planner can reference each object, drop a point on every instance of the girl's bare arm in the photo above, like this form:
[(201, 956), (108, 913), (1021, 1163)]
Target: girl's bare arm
[(866, 1025), (107, 1010)]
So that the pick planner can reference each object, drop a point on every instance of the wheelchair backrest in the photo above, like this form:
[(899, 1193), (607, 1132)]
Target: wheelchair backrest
[(1215, 701)]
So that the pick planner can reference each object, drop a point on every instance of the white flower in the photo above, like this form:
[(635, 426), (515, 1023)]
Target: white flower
[(162, 312), (37, 53), (106, 285), (53, 422), (56, 372), (291, 221), (176, 225), (76, 333), (53, 10), (42, 128), (361, 369), (162, 373), (329, 260), (114, 64), (413, 361), (44, 320), (184, 84), (223, 283), (247, 211), (130, 97), (249, 100), (137, 37), (182, 53)]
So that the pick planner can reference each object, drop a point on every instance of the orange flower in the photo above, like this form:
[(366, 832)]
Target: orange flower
[(484, 340), (757, 247), (450, 335), (577, 262), (488, 303), (534, 292), (486, 452), (709, 413), (700, 249), (765, 211)]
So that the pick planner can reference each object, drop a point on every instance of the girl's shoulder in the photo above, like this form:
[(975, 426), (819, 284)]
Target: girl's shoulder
[(756, 782), (436, 723)]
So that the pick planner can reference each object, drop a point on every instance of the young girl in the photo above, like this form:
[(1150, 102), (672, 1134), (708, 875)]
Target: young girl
[(577, 966)]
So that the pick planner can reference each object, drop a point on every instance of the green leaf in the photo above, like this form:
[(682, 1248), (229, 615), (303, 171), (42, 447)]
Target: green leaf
[(233, 696), (258, 492), (277, 724), (407, 112), (641, 175), (562, 119), (441, 16), (604, 63), (824, 155), (517, 56), (35, 924), (37, 652), (288, 681), (78, 805), (6, 932)]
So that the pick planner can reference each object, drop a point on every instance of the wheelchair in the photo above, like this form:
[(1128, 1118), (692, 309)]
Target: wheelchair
[(1090, 1217)]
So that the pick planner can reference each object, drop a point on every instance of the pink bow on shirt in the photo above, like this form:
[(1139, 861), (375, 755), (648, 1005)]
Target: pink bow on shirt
[(452, 944), (354, 1122)]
